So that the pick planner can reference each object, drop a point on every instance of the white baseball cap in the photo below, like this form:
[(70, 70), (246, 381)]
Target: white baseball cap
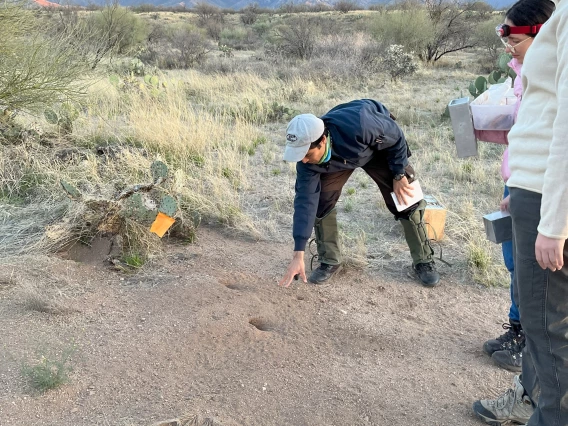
[(302, 130)]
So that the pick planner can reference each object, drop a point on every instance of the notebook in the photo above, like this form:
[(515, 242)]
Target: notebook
[(417, 196)]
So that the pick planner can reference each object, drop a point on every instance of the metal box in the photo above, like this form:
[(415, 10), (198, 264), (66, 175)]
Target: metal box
[(498, 226), (462, 123)]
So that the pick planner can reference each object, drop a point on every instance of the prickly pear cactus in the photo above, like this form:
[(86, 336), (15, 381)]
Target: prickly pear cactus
[(135, 209), (481, 84), (503, 62), (151, 80), (168, 205), (478, 86), (494, 77), (136, 66), (51, 116), (159, 170), (71, 190)]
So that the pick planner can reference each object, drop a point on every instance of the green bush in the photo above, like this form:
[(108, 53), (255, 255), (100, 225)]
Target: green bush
[(236, 37), (409, 28), (119, 28), (489, 42), (37, 71), (182, 46), (297, 38)]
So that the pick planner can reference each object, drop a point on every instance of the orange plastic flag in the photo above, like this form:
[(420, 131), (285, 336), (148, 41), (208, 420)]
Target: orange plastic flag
[(161, 225)]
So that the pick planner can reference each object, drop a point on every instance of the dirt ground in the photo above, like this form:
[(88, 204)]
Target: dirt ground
[(207, 331)]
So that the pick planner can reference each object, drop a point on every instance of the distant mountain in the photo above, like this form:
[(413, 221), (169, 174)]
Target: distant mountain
[(239, 4)]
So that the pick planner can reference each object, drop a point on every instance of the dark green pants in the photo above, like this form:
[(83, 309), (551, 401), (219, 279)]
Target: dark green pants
[(326, 217)]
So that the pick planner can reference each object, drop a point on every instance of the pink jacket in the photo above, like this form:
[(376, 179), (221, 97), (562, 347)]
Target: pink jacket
[(500, 136)]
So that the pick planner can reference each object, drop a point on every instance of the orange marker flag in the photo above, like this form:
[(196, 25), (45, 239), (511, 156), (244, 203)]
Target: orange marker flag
[(161, 225)]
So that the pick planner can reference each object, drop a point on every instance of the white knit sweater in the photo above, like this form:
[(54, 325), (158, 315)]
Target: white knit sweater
[(538, 142)]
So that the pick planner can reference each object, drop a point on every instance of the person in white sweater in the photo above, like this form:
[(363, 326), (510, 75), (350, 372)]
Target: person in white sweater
[(538, 160)]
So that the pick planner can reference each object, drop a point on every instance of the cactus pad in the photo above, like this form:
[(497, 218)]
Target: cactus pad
[(71, 190), (168, 205), (159, 170), (503, 61), (135, 209), (51, 116), (494, 77), (481, 84)]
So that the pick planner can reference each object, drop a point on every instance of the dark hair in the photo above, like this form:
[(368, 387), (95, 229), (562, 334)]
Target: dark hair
[(316, 143), (530, 12)]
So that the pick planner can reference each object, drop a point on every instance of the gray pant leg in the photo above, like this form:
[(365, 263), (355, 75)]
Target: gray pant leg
[(543, 304)]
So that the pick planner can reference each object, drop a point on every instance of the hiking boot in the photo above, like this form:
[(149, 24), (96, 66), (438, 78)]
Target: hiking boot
[(427, 273), (511, 358), (512, 406), (508, 359), (323, 273), (504, 341)]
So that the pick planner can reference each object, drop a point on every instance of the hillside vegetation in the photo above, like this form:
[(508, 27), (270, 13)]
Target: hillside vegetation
[(94, 98)]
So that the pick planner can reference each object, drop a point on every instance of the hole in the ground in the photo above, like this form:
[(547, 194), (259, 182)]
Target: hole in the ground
[(261, 324), (233, 286)]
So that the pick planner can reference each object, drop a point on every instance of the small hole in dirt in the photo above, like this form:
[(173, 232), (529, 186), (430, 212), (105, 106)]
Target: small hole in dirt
[(232, 286), (261, 324)]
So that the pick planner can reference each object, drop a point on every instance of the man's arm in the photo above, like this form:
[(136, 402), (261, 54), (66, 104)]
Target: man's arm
[(305, 205), (305, 208)]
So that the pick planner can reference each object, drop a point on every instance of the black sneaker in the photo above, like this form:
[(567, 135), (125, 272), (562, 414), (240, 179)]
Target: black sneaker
[(323, 273), (504, 341), (512, 358), (427, 273)]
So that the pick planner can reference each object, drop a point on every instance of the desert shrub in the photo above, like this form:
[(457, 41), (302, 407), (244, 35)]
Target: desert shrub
[(378, 7), (207, 12), (182, 46), (453, 24), (211, 18), (397, 63), (143, 8), (213, 29), (482, 9), (488, 41), (249, 14), (41, 70), (119, 28), (261, 27), (291, 7), (432, 29), (320, 7), (370, 54), (408, 28), (297, 38), (345, 6), (238, 38)]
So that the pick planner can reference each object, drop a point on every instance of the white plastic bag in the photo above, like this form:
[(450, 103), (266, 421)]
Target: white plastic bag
[(495, 95)]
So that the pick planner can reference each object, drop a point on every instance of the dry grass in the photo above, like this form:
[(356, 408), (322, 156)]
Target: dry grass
[(221, 135)]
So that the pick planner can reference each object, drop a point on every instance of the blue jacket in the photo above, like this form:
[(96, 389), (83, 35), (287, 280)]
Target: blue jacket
[(358, 130)]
